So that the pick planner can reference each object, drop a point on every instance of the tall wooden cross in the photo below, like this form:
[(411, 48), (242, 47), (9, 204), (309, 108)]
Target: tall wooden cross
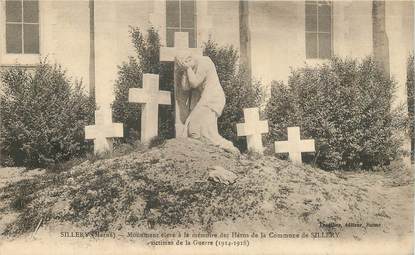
[(150, 97), (252, 129), (104, 130), (294, 146), (181, 44)]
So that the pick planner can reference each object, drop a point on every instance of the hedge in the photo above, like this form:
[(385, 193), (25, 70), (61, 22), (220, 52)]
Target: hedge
[(43, 116), (346, 106)]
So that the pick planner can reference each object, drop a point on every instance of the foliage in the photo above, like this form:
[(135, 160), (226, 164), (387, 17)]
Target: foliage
[(130, 75), (240, 90), (43, 116), (346, 106), (411, 99)]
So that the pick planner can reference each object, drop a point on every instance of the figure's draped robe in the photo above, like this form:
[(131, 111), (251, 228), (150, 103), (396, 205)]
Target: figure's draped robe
[(201, 106)]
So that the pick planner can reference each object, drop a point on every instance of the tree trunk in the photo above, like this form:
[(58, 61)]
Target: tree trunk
[(380, 38), (245, 37)]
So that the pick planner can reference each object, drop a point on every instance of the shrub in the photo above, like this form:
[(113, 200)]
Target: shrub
[(411, 99), (130, 75), (240, 91), (346, 106), (43, 116)]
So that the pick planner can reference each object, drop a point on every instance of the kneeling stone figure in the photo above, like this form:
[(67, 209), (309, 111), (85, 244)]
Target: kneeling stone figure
[(201, 99)]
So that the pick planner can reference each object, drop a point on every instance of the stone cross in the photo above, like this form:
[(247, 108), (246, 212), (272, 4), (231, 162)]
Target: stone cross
[(150, 97), (294, 146), (181, 44), (252, 129), (104, 130)]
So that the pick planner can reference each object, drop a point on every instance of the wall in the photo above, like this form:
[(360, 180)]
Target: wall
[(225, 22), (278, 35), (277, 32), (64, 38), (352, 26), (112, 40)]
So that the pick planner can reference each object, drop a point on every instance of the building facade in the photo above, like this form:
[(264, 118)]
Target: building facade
[(91, 38)]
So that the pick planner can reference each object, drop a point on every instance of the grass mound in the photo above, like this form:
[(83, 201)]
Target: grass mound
[(167, 187)]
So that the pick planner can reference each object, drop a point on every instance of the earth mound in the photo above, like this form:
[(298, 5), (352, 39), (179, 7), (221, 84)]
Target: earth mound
[(167, 187)]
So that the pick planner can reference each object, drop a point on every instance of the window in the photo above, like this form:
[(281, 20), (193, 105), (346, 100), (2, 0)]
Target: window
[(318, 29), (22, 26), (180, 17)]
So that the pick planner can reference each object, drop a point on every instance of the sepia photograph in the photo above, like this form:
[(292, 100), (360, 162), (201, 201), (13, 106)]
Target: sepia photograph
[(207, 127)]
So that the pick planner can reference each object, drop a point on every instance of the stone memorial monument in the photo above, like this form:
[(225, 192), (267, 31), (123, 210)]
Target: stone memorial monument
[(181, 46)]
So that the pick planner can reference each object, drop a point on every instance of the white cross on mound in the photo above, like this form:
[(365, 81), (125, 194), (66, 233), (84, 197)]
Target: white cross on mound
[(252, 129), (181, 45), (294, 146), (150, 96), (103, 130)]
